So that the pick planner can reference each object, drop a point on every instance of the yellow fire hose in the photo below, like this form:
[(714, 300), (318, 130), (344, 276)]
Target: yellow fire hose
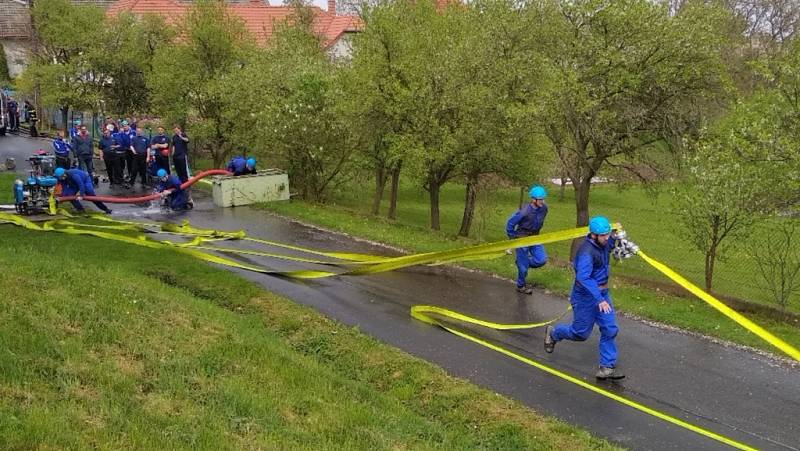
[(132, 232)]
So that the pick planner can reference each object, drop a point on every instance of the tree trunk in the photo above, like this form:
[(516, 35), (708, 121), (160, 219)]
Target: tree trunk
[(581, 188), (521, 197), (65, 121), (392, 214), (711, 253), (711, 257), (469, 206), (434, 192), (380, 184), (562, 190)]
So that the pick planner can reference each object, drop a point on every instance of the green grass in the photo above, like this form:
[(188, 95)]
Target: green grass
[(114, 346), (643, 216), (646, 217)]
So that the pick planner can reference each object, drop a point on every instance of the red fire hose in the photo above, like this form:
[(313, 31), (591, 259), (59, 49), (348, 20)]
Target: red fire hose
[(148, 198)]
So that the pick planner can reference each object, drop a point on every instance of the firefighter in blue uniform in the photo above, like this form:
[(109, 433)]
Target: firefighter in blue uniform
[(120, 147), (241, 166), (160, 146), (141, 154), (75, 129), (526, 222), (76, 182), (130, 154), (178, 198), (180, 153), (62, 149), (590, 299)]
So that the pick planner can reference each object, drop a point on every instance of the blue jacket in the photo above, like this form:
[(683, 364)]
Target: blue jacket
[(105, 143), (140, 145), (238, 165), (591, 270), (61, 147), (73, 132), (526, 222), (77, 181), (160, 139), (13, 106), (123, 139), (173, 183)]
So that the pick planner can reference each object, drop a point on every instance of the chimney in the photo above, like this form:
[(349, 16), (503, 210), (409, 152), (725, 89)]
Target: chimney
[(332, 7)]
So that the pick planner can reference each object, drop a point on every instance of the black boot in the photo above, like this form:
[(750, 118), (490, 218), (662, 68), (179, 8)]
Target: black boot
[(549, 342)]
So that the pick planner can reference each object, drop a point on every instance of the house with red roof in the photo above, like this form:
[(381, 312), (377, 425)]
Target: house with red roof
[(259, 19)]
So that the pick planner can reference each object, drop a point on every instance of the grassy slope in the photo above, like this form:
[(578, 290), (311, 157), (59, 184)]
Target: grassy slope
[(640, 215), (114, 346)]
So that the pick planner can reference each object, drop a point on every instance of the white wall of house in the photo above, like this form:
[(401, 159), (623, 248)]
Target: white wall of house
[(17, 55), (342, 49)]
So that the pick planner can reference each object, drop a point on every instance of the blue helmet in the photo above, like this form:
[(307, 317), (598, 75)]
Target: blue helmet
[(251, 163), (161, 173), (538, 192), (60, 172), (599, 225)]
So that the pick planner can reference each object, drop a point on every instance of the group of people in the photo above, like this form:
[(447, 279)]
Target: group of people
[(25, 111), (129, 154), (590, 298)]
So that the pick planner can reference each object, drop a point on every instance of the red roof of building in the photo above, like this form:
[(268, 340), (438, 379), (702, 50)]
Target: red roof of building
[(258, 16)]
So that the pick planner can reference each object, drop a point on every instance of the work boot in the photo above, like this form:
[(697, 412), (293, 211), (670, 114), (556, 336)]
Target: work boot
[(609, 373), (549, 342), (525, 289), (108, 212)]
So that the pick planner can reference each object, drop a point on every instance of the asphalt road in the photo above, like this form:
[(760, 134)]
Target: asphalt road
[(735, 393)]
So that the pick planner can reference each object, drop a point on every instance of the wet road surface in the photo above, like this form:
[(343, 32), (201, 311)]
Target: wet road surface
[(733, 392)]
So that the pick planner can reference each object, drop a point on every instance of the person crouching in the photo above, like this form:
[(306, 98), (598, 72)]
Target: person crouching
[(169, 185), (76, 182)]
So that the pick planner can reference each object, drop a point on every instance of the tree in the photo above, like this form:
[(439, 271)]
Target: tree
[(288, 104), (622, 76), (133, 42), (188, 83), (68, 40), (374, 85), (495, 136), (720, 199), (777, 257)]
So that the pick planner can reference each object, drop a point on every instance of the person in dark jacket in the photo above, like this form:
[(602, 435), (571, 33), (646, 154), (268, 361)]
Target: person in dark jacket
[(178, 198), (240, 166), (82, 148), (120, 147), (160, 147), (129, 133), (13, 114), (33, 118), (591, 300), (75, 182), (62, 149), (141, 154), (528, 221), (180, 153), (107, 153)]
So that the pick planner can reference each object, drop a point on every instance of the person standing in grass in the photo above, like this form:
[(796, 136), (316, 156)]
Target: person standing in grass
[(528, 221), (590, 299)]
